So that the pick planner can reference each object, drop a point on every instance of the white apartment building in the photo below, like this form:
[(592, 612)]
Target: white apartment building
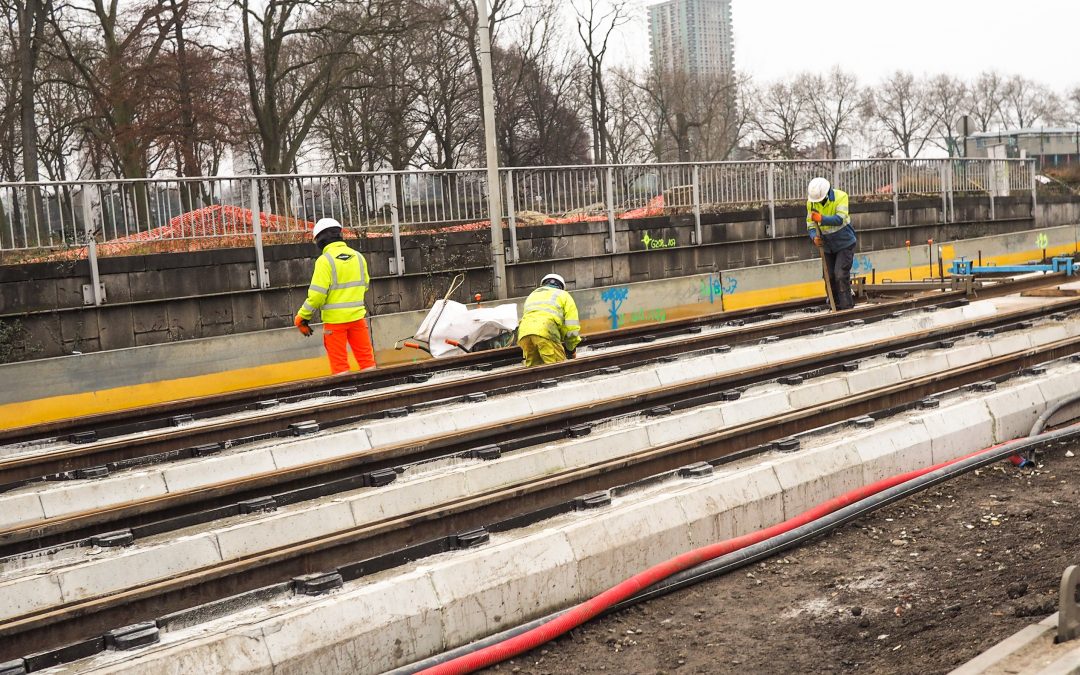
[(693, 36)]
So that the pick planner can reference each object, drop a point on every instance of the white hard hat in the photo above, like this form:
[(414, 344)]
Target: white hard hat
[(556, 278), (324, 224), (817, 190)]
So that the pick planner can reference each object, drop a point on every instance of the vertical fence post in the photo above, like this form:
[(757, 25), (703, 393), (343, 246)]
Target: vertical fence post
[(1034, 198), (397, 266), (895, 166), (944, 193), (609, 200), (261, 278), (992, 184), (771, 188), (696, 196), (91, 247), (510, 216), (950, 171)]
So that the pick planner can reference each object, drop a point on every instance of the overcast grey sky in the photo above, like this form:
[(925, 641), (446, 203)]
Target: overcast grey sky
[(775, 38)]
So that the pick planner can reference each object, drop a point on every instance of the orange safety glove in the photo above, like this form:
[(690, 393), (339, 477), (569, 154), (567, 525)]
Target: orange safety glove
[(302, 325), (816, 217), (818, 242)]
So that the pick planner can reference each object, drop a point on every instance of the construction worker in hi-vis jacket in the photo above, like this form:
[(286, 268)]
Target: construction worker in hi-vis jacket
[(337, 288), (549, 331), (829, 226)]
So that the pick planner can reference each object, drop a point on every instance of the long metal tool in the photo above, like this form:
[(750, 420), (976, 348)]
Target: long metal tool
[(828, 278)]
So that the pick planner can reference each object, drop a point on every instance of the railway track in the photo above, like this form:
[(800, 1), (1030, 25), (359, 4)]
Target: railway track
[(403, 391), (81, 623)]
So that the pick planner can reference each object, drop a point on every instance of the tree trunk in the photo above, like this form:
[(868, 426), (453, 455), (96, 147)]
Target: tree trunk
[(31, 23)]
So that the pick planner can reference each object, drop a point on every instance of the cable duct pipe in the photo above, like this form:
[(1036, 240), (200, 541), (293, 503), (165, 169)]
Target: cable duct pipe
[(722, 557)]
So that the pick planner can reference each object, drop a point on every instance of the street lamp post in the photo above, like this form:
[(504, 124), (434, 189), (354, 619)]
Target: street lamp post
[(498, 254)]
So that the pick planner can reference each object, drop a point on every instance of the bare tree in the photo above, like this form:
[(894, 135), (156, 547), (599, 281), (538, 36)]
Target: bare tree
[(451, 100), (700, 115), (950, 99), (987, 97), (781, 119), (596, 22), (630, 119), (833, 105), (903, 107), (1025, 102)]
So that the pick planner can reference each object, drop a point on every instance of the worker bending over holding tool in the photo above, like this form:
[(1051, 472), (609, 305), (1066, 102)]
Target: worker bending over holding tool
[(829, 226), (549, 330), (337, 287)]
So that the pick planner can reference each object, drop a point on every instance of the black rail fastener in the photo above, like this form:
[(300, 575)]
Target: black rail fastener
[(304, 428), (16, 667), (380, 477), (344, 391), (769, 339), (1060, 316), (945, 344), (611, 370), (647, 338), (987, 333), (256, 505), (864, 422), (486, 452), (788, 444), (730, 395), (177, 420), (92, 472), (816, 330), (83, 437), (548, 383), (470, 539), (476, 397), (135, 635), (668, 358), (735, 323), (693, 329), (988, 385), (893, 315), (396, 412), (659, 411), (268, 403), (204, 450), (66, 654), (930, 308), (1038, 369), (1025, 324), (417, 378), (593, 500), (318, 583), (898, 354), (850, 366), (696, 470), (774, 316), (791, 380), (722, 349), (855, 322), (928, 403), (1075, 358), (579, 430), (113, 539)]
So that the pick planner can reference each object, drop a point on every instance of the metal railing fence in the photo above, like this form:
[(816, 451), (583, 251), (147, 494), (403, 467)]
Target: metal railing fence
[(93, 218)]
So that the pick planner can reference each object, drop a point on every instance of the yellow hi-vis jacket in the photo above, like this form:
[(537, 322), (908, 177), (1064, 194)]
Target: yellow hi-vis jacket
[(338, 285), (551, 313)]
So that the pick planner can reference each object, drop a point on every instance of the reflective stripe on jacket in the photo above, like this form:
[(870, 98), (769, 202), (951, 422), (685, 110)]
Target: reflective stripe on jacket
[(835, 226), (552, 313), (338, 285)]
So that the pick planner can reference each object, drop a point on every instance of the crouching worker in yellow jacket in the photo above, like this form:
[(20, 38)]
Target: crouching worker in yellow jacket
[(549, 331)]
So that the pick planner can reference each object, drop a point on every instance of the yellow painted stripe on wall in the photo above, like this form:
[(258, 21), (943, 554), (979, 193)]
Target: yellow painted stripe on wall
[(125, 398)]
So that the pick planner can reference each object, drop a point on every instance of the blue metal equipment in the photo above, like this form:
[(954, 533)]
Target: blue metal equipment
[(960, 266)]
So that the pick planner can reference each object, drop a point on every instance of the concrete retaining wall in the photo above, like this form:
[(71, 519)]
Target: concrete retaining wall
[(162, 298)]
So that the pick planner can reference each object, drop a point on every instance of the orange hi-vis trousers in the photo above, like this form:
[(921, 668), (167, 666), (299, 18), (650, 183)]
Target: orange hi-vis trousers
[(338, 336)]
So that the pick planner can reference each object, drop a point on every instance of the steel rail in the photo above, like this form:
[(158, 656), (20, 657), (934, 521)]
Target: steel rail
[(348, 410), (182, 509), (74, 621)]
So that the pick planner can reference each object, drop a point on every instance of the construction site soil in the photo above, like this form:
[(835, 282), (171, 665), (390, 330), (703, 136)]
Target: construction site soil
[(918, 587)]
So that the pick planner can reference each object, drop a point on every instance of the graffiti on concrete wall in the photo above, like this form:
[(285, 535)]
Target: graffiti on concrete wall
[(614, 297), (642, 315), (652, 244), (716, 286), (861, 265)]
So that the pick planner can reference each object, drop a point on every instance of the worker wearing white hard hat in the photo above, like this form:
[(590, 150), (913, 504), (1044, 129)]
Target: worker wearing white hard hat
[(829, 225), (549, 331), (337, 289)]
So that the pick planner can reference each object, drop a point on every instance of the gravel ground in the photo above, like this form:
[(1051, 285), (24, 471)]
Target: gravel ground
[(919, 587)]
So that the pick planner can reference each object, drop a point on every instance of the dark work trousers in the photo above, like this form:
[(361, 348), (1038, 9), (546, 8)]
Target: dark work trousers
[(839, 264)]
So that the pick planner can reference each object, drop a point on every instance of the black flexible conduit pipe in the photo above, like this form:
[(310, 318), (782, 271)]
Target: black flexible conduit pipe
[(783, 542)]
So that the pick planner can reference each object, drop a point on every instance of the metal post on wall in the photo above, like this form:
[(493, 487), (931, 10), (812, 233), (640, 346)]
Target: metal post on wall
[(992, 187), (944, 193), (949, 172), (895, 192), (697, 206), (609, 200), (397, 265), (1034, 198), (95, 293), (510, 217), (260, 278), (771, 186)]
